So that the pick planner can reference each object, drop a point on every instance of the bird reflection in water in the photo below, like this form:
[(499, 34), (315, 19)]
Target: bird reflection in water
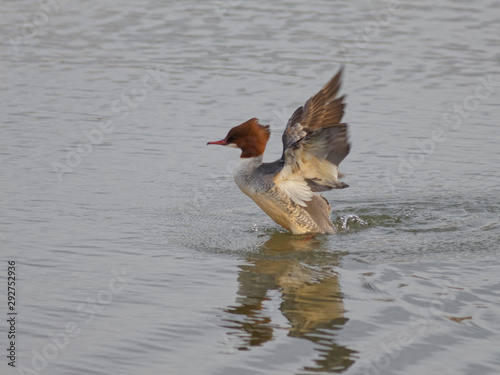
[(311, 299)]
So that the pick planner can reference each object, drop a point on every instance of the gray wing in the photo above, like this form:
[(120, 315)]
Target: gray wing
[(314, 144), (318, 156), (323, 110)]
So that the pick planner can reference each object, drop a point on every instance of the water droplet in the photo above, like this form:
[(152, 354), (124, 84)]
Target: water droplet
[(351, 218)]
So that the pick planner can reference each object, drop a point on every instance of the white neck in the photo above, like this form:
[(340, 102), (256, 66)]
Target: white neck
[(247, 164), (244, 169)]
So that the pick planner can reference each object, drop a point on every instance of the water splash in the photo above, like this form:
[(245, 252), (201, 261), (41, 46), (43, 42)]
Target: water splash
[(353, 219)]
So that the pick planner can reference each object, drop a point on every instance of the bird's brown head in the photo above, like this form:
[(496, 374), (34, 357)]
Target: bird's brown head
[(250, 137)]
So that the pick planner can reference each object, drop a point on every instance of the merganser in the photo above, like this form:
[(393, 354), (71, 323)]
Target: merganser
[(314, 144)]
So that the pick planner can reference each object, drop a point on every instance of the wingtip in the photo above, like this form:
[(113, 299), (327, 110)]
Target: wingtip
[(340, 72)]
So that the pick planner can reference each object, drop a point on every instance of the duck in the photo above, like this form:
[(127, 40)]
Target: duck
[(315, 142)]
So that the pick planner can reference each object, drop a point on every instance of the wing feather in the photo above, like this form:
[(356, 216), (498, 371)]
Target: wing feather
[(321, 110), (314, 144)]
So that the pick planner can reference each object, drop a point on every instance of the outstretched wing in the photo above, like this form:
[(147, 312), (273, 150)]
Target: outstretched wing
[(314, 144), (322, 110)]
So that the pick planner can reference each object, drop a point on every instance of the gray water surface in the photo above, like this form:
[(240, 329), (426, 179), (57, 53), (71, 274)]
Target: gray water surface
[(137, 254)]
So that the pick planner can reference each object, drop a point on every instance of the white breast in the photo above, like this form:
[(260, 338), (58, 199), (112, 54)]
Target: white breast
[(244, 174)]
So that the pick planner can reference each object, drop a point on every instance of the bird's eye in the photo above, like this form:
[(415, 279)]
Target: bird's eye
[(231, 139)]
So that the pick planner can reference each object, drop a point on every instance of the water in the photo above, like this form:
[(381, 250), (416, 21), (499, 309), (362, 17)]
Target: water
[(140, 255)]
